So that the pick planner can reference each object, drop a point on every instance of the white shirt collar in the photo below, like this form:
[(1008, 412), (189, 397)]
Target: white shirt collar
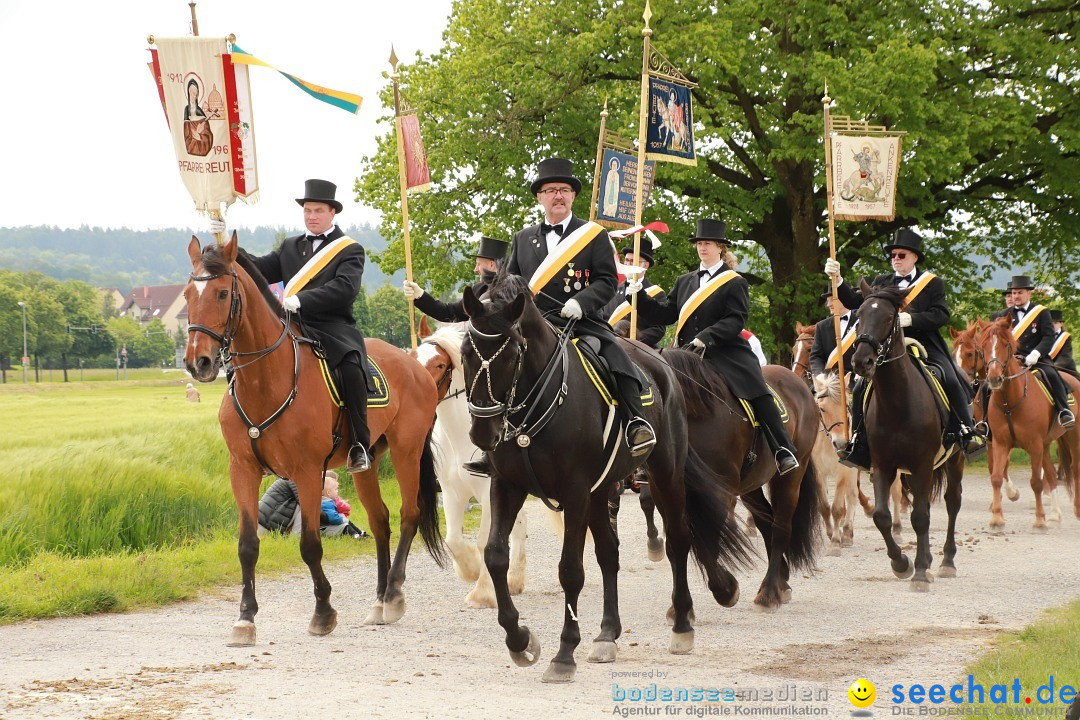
[(712, 269)]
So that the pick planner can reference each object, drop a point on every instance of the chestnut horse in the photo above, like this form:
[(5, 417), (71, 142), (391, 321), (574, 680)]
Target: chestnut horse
[(845, 496), (1021, 415), (278, 417), (800, 351)]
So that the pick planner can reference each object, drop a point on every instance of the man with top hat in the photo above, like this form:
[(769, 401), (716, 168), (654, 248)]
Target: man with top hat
[(823, 357), (321, 270), (617, 311), (1034, 333), (710, 306), (488, 254), (571, 270), (1061, 352), (926, 311), (1007, 295)]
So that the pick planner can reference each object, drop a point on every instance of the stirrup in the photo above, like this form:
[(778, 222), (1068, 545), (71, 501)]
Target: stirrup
[(359, 459), (982, 428), (785, 461), (1066, 418), (641, 447), (480, 467), (854, 456)]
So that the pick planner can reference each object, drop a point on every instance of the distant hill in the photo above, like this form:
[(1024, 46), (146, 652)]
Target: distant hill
[(124, 258)]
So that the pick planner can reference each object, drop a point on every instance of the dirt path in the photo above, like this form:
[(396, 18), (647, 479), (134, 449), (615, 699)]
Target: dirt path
[(851, 619)]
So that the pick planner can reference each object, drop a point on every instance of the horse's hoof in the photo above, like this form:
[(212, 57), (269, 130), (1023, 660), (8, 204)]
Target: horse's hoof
[(656, 550), (766, 605), (946, 571), (375, 616), (603, 651), (920, 585), (323, 624), (393, 610), (559, 673), (681, 643), (903, 568), (479, 599), (1013, 495), (528, 656), (467, 573), (1039, 527), (785, 595), (834, 549), (242, 634), (848, 541)]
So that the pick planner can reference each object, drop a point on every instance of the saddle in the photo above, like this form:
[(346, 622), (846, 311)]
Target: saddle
[(378, 389), (780, 405), (596, 368), (931, 373)]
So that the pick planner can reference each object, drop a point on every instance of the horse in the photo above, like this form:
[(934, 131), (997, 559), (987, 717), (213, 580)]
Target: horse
[(279, 418), (551, 431), (845, 497), (1021, 416), (903, 406), (800, 351), (440, 353), (639, 483)]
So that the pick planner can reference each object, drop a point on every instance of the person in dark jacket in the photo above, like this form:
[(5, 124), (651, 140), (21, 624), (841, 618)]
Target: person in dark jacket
[(617, 311), (488, 254), (926, 311), (279, 508), (1007, 295), (1034, 333), (710, 306), (823, 357), (1061, 352)]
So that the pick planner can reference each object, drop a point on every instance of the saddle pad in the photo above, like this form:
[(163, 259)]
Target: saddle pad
[(780, 405), (1041, 380), (377, 387), (602, 379)]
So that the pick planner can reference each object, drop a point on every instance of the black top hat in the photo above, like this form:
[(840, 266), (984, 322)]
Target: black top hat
[(1021, 282), (708, 229), (492, 248), (555, 170), (646, 250), (1056, 316), (906, 239), (1008, 288), (320, 191)]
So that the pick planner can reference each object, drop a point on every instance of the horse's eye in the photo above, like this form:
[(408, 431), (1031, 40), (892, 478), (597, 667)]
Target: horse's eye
[(222, 294)]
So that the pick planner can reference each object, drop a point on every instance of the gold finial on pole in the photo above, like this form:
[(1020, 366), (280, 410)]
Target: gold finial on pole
[(404, 189), (826, 101), (150, 39)]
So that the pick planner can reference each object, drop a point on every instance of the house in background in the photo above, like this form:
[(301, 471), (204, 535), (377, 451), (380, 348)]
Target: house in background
[(165, 302), (111, 301)]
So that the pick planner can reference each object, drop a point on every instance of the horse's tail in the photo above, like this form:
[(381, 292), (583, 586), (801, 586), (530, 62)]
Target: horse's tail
[(429, 506), (715, 535), (806, 522)]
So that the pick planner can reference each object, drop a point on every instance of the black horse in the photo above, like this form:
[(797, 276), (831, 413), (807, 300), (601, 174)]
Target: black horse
[(550, 433), (905, 433)]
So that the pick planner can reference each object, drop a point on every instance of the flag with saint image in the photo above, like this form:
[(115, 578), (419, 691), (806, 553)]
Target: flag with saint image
[(670, 131)]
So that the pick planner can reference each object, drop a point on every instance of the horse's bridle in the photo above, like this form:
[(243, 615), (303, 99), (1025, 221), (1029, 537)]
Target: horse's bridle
[(881, 348), (446, 377), (807, 373)]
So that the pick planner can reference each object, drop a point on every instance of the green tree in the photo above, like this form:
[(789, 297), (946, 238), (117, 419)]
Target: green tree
[(152, 346), (83, 321), (388, 317), (983, 89)]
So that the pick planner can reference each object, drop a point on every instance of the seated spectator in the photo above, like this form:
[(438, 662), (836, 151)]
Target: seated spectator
[(334, 517), (279, 509), (192, 393)]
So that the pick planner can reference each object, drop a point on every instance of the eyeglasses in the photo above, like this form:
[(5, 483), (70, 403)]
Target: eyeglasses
[(900, 255), (555, 191)]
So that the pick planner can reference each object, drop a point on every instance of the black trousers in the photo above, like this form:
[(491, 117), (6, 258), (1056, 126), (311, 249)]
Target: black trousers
[(354, 392), (1057, 386), (628, 380), (769, 416)]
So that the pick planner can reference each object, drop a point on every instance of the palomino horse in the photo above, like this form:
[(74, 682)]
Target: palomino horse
[(905, 433), (440, 353), (550, 432), (845, 496), (1020, 415), (279, 418)]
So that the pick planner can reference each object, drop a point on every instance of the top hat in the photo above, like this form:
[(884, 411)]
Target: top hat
[(555, 170), (709, 229), (1008, 288), (1021, 282), (906, 239), (320, 191), (1055, 315), (825, 296), (492, 248), (646, 250)]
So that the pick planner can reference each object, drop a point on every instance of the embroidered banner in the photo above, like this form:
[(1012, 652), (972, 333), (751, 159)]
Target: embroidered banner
[(865, 168), (615, 203), (417, 176), (670, 133)]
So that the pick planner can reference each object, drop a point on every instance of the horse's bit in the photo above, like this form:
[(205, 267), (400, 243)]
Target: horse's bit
[(881, 348)]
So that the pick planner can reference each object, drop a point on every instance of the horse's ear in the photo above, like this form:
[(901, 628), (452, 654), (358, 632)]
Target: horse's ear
[(517, 307), (864, 287), (953, 333), (472, 305), (194, 252), (229, 250), (424, 331), (799, 328)]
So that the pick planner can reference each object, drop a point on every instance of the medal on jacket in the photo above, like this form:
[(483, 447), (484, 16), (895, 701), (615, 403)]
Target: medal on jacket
[(577, 283), (566, 281)]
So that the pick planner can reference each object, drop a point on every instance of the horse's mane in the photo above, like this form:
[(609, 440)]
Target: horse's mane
[(701, 384), (893, 295), (1001, 327), (503, 290), (214, 263), (830, 383), (449, 339)]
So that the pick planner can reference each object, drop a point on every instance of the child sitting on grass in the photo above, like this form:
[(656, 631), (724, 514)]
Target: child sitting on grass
[(335, 510)]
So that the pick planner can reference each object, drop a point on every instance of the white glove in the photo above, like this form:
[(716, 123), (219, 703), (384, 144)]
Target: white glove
[(571, 309), (697, 344), (832, 269), (905, 319), (1032, 358), (217, 227), (412, 290), (291, 303), (633, 286)]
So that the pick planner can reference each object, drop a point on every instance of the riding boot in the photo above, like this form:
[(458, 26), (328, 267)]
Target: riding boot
[(1061, 396), (639, 433), (968, 436), (983, 396), (355, 394), (776, 433), (481, 466), (857, 452)]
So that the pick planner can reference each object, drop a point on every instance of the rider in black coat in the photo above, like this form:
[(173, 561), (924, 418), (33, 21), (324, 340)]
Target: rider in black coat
[(488, 254), (1036, 342), (617, 313)]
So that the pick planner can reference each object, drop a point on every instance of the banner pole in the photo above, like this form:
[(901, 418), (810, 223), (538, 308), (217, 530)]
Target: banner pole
[(599, 160), (825, 102), (403, 186), (643, 122)]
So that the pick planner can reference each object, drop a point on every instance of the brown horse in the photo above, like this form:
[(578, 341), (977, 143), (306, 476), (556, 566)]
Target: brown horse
[(905, 433), (800, 351), (1021, 415), (278, 417)]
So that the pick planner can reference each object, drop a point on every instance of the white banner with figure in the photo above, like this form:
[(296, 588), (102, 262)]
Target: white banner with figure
[(865, 169)]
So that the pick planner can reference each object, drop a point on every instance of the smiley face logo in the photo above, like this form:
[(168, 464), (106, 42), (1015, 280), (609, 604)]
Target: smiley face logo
[(862, 693)]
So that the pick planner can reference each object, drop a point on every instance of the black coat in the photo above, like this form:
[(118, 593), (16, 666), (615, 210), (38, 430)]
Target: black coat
[(718, 322), (649, 333), (445, 311), (929, 313), (825, 343), (278, 505), (1064, 357), (326, 302), (1039, 335)]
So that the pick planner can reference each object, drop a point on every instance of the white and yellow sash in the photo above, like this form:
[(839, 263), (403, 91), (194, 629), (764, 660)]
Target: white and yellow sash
[(1059, 344), (917, 287), (845, 345), (694, 301), (315, 265), (564, 252), (1023, 325), (623, 310)]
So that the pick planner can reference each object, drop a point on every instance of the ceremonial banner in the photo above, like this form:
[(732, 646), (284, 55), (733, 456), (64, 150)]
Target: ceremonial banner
[(417, 176), (618, 187), (865, 168), (670, 133), (207, 106)]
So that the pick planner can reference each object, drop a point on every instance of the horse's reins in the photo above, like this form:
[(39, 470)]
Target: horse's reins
[(1001, 402)]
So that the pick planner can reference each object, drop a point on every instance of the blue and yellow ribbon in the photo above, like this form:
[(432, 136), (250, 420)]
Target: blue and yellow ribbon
[(337, 98)]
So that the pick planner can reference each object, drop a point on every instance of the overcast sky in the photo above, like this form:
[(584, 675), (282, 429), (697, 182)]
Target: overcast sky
[(84, 140)]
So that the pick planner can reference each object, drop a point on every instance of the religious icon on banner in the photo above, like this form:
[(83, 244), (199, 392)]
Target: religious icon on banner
[(670, 134), (417, 174), (864, 179), (618, 188)]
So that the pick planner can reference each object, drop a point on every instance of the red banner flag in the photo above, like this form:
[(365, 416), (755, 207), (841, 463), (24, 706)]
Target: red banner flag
[(417, 176)]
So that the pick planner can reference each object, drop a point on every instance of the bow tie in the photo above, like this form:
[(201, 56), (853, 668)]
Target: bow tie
[(704, 273), (901, 278), (545, 229), (316, 238)]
